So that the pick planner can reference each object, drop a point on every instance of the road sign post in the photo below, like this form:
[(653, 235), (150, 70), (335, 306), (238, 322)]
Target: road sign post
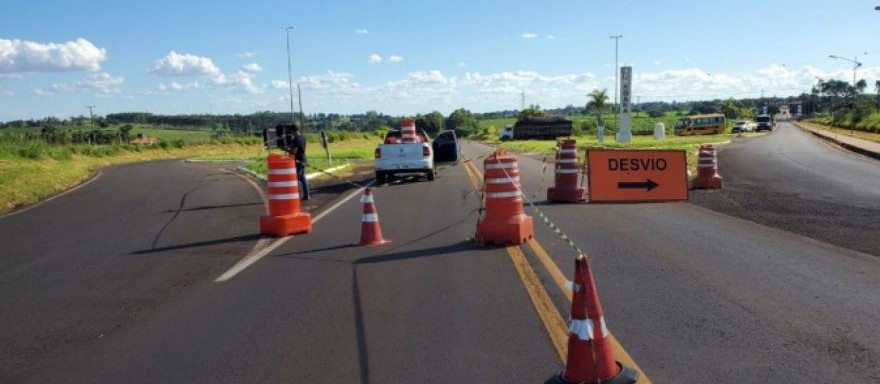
[(637, 175)]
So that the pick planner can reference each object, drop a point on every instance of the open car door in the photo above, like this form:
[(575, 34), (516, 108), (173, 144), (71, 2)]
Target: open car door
[(446, 148)]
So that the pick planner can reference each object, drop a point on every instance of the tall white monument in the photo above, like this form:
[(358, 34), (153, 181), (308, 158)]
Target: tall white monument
[(624, 133)]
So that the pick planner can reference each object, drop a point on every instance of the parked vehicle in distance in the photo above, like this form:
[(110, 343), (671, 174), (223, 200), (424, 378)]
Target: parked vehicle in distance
[(765, 123), (537, 127), (394, 157), (743, 126), (711, 124)]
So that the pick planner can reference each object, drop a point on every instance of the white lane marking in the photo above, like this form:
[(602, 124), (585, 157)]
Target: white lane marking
[(252, 258)]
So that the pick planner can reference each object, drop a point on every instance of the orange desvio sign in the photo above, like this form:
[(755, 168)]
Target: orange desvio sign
[(637, 175)]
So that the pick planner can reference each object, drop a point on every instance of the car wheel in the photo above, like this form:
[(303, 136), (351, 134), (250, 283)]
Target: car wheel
[(430, 176), (380, 177)]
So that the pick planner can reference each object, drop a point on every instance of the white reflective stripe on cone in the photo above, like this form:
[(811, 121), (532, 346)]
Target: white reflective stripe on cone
[(568, 151), (501, 165), (503, 180), (560, 170), (567, 161), (707, 166), (370, 218), (282, 171), (284, 196), (276, 184), (582, 328), (367, 199), (604, 328), (502, 195)]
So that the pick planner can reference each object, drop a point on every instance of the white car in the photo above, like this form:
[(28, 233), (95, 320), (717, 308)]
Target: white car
[(743, 126)]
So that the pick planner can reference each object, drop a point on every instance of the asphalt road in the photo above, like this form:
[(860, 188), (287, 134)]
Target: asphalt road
[(793, 181), (693, 295), (88, 265)]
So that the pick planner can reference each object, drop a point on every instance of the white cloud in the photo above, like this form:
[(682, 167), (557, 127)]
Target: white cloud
[(22, 57), (240, 81), (362, 31), (279, 84), (175, 64), (529, 35), (395, 58), (374, 59), (8, 93), (551, 37), (246, 55), (252, 68), (657, 62), (462, 65), (99, 83), (175, 86)]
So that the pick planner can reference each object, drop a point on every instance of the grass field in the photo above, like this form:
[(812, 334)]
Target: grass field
[(45, 172), (870, 136), (189, 136)]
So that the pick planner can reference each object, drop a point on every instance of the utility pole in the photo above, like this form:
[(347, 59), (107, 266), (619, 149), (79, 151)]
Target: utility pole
[(616, 75), (522, 101), (91, 118), (289, 74), (302, 115)]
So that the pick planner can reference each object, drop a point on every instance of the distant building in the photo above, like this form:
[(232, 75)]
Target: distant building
[(142, 139)]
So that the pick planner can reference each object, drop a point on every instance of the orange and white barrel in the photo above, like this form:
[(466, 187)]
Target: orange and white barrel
[(504, 221), (408, 131)]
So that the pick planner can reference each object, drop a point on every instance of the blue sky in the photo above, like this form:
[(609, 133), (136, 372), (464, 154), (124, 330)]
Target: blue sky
[(403, 58)]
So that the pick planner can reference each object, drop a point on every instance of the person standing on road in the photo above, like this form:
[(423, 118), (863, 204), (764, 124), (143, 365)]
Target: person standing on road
[(298, 150)]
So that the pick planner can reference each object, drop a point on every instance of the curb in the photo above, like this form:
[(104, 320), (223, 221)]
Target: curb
[(853, 148)]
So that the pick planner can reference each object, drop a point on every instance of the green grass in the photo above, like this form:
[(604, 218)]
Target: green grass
[(30, 172), (352, 151)]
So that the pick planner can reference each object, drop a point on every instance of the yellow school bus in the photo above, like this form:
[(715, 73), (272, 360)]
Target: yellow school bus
[(711, 124)]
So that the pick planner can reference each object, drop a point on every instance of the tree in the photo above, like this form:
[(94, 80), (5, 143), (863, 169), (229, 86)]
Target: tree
[(598, 100), (773, 110), (532, 110), (462, 121), (730, 108), (877, 87), (431, 123)]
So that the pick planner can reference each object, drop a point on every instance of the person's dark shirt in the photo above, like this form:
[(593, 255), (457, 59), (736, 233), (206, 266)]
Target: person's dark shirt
[(299, 148)]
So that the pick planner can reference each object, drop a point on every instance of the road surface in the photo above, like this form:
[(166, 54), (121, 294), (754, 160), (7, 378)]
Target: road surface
[(793, 181), (692, 295)]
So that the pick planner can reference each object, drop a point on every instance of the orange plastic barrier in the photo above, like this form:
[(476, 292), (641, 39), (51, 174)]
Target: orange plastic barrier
[(284, 217), (371, 232), (590, 358), (408, 131), (707, 169), (504, 222), (565, 188)]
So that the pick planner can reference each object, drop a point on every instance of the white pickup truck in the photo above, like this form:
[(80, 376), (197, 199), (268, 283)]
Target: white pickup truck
[(394, 157)]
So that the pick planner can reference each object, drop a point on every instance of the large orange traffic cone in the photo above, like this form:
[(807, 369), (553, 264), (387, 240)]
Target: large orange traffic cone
[(590, 359), (371, 233)]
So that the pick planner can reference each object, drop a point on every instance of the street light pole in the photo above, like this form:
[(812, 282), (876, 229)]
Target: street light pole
[(616, 67), (856, 65), (289, 74)]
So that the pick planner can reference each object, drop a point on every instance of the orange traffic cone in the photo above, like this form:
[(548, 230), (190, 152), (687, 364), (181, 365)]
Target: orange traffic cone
[(371, 233), (590, 359)]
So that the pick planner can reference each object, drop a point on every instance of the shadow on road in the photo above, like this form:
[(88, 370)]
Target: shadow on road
[(417, 253), (212, 207), (252, 237)]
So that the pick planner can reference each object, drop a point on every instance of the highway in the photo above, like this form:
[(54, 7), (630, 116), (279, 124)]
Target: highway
[(692, 295), (793, 181)]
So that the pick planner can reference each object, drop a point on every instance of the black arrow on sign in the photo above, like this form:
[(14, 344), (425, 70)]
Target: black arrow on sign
[(647, 185)]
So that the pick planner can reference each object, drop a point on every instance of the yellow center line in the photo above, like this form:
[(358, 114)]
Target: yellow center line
[(556, 327), (619, 353)]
